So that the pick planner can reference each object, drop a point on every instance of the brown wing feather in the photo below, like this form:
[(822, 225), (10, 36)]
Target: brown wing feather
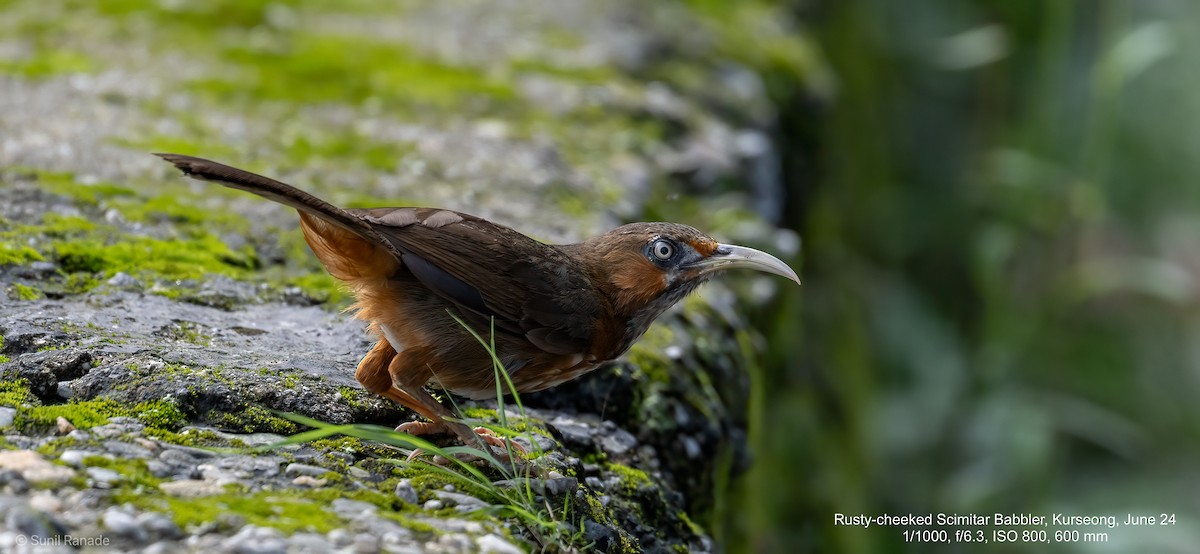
[(530, 288)]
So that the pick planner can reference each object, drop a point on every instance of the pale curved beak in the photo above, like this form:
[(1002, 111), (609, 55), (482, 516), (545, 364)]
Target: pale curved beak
[(728, 256)]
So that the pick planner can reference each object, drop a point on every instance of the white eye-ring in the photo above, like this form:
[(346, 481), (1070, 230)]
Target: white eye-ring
[(662, 249)]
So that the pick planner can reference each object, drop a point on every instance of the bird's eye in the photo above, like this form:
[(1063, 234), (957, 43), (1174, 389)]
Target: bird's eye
[(662, 250)]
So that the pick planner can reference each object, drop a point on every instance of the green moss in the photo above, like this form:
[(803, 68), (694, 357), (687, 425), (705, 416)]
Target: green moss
[(12, 253), (5, 359), (329, 68), (649, 354), (16, 393), (188, 258), (31, 416), (632, 479), (83, 415), (352, 397), (159, 414), (285, 511), (188, 331), (24, 292), (88, 252), (48, 62), (255, 419)]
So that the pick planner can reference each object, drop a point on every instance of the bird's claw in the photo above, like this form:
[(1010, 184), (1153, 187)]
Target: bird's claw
[(489, 438)]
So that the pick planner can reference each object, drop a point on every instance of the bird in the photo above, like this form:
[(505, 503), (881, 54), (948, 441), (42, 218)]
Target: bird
[(422, 276)]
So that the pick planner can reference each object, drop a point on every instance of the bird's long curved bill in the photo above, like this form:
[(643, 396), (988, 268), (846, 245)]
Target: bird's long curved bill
[(729, 256)]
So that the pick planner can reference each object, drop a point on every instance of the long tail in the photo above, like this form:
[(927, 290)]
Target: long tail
[(232, 177)]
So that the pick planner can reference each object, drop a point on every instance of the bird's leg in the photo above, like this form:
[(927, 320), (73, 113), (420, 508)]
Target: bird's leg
[(408, 390), (376, 372), (374, 375)]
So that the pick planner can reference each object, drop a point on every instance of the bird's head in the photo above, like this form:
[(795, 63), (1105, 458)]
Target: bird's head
[(651, 266)]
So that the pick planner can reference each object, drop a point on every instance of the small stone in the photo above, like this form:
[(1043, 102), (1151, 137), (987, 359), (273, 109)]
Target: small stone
[(358, 472), (148, 444), (309, 543), (159, 525), (433, 505), (255, 540), (495, 544), (350, 509), (32, 523), (464, 502), (63, 425), (600, 536), (102, 477), (339, 538), (13, 482), (366, 542), (406, 492), (125, 281), (191, 488), (64, 390), (295, 469), (7, 416), (74, 458), (45, 502), (308, 481), (127, 450), (449, 488), (561, 486), (34, 468), (617, 442), (123, 524), (453, 542)]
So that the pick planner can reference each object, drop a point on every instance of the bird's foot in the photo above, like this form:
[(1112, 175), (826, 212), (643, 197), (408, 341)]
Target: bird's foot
[(489, 438)]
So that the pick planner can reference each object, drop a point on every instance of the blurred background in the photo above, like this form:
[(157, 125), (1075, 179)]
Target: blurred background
[(997, 201), (1000, 208)]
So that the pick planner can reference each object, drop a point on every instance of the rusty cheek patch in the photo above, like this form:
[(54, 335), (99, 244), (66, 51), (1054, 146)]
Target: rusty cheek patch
[(637, 280)]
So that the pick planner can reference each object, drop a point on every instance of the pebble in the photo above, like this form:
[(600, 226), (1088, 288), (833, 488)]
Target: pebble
[(406, 492), (463, 502), (159, 525), (252, 539), (125, 525), (295, 469), (191, 488), (102, 477), (7, 416), (45, 502), (63, 425), (495, 544), (74, 458), (309, 481), (433, 505), (34, 468), (351, 509)]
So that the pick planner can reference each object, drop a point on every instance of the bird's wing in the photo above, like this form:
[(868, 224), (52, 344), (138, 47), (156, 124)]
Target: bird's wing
[(529, 288)]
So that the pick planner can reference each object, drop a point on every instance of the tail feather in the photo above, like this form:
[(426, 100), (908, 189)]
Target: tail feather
[(207, 170)]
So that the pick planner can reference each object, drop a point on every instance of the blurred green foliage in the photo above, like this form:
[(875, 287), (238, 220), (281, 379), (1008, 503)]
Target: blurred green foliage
[(1002, 243)]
